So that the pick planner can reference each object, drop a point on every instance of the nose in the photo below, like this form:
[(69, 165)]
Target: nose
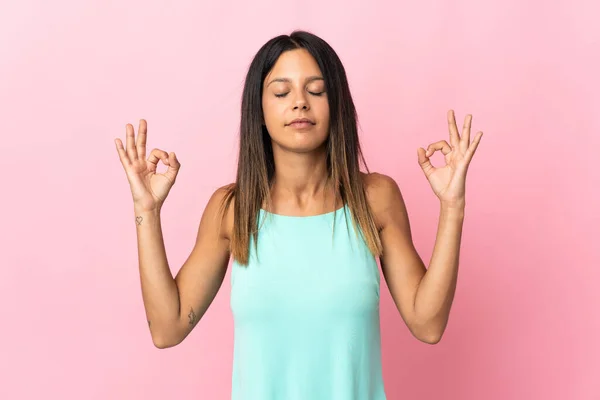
[(300, 102)]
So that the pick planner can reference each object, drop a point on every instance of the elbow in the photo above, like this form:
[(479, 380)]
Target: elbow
[(166, 334), (431, 339), (427, 333), (164, 341), (161, 344)]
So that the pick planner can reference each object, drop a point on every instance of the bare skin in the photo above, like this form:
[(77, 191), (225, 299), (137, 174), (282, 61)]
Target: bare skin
[(293, 89)]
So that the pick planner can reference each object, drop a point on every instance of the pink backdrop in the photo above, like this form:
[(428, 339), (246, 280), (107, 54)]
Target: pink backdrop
[(525, 321)]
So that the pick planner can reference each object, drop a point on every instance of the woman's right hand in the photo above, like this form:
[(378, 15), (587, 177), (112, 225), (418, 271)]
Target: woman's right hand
[(148, 188)]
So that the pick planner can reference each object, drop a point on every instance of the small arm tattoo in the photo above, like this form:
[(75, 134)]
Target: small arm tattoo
[(148, 323), (138, 220), (192, 317)]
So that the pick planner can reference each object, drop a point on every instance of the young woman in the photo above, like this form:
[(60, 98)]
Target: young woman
[(304, 226)]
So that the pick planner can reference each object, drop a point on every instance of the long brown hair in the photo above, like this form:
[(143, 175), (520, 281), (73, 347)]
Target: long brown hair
[(256, 166)]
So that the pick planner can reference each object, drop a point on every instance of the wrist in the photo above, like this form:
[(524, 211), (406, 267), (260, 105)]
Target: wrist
[(146, 217), (455, 208), (141, 211), (453, 204)]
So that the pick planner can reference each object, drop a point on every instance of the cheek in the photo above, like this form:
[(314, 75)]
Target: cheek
[(321, 106), (324, 116), (272, 111)]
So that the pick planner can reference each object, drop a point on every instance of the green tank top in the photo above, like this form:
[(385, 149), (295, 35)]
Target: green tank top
[(306, 312)]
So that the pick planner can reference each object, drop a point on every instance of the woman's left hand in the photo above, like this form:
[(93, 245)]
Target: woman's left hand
[(448, 182)]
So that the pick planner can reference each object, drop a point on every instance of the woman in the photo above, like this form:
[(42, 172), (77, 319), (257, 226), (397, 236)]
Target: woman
[(304, 227)]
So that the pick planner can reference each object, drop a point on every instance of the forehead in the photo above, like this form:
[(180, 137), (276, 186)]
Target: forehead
[(296, 64)]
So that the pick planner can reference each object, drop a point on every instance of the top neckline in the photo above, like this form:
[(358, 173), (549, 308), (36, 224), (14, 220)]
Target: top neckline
[(303, 216)]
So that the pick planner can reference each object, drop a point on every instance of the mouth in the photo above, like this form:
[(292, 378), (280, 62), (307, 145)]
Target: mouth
[(301, 123)]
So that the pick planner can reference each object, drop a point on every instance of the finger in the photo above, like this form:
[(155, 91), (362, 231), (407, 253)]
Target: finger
[(141, 139), (473, 147), (156, 155), (174, 167), (441, 145), (454, 137), (122, 153), (131, 152), (424, 162), (465, 139)]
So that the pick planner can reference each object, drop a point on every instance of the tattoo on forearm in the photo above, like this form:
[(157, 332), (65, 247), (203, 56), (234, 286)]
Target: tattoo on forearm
[(138, 220), (148, 323), (192, 317)]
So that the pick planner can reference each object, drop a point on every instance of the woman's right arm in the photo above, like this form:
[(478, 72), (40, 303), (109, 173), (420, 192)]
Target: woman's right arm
[(175, 305)]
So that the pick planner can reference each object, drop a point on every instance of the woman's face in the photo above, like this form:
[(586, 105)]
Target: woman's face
[(293, 89)]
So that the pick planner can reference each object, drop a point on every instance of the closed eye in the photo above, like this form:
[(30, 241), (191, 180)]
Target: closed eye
[(313, 93)]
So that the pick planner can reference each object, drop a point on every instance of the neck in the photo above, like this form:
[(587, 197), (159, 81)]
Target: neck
[(301, 178)]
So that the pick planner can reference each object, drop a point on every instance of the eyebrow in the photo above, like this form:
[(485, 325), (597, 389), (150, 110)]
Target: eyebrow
[(288, 80)]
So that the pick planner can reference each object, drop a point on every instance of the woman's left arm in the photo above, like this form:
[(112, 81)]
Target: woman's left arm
[(436, 289), (424, 296)]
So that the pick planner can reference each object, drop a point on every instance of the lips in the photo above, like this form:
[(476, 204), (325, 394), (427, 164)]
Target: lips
[(301, 121)]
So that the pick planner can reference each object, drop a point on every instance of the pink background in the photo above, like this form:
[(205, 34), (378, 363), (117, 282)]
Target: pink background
[(525, 322)]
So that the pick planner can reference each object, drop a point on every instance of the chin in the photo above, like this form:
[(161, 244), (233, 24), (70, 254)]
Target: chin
[(300, 144)]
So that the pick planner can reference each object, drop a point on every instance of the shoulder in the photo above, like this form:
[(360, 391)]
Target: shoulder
[(384, 197), (221, 207)]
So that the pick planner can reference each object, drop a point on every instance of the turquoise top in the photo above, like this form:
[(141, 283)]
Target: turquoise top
[(306, 313)]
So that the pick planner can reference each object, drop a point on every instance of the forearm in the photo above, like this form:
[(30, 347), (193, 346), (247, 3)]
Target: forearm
[(159, 290), (437, 287)]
